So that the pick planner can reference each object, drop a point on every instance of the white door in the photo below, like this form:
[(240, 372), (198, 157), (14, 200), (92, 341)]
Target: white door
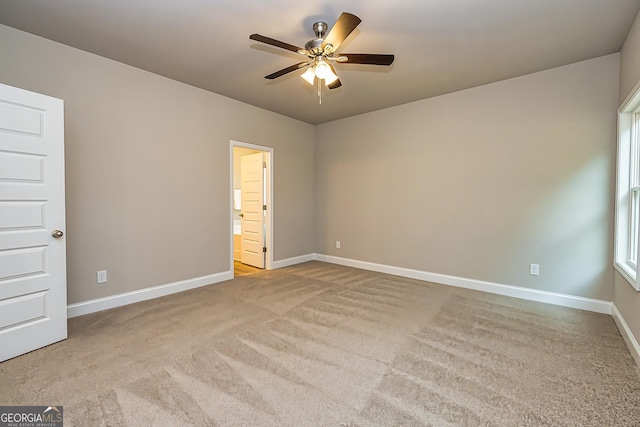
[(33, 283), (253, 214)]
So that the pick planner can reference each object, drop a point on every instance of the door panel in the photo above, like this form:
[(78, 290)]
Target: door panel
[(252, 190), (33, 286)]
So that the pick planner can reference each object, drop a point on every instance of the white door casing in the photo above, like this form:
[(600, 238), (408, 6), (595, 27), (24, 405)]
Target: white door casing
[(33, 285), (252, 171)]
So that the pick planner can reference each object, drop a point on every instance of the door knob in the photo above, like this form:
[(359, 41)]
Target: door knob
[(241, 215), (57, 234)]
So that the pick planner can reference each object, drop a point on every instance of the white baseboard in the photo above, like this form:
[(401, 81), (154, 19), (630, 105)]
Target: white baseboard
[(625, 331), (589, 304), (293, 261), (93, 306)]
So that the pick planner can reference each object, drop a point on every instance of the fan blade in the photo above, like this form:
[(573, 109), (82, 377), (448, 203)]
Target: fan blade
[(277, 43), (345, 24), (287, 70), (337, 83), (365, 58)]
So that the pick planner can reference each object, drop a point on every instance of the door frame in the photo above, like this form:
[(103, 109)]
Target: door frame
[(269, 200)]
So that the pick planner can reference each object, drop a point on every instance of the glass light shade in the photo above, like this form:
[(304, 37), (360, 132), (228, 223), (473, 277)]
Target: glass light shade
[(330, 78), (323, 71), (309, 75)]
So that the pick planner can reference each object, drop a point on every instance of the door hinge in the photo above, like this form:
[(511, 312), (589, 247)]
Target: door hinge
[(264, 165), (264, 207), (264, 249)]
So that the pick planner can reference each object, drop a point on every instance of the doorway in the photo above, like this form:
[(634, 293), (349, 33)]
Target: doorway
[(251, 207)]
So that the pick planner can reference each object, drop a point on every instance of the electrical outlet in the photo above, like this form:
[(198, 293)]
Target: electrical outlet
[(337, 244), (102, 276), (534, 269)]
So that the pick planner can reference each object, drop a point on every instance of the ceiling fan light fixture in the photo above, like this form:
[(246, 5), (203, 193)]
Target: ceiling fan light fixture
[(323, 71)]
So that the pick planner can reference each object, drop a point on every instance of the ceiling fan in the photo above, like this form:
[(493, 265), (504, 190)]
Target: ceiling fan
[(322, 50)]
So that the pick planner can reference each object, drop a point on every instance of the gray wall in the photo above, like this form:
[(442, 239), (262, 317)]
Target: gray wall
[(148, 168), (481, 183), (630, 61), (626, 299)]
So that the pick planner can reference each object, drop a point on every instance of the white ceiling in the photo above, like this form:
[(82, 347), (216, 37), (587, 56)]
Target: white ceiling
[(440, 46)]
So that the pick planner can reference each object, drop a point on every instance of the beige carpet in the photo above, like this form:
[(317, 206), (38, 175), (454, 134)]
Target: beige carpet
[(324, 345)]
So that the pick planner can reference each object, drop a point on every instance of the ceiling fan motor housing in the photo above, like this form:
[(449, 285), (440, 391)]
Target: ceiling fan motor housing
[(314, 46)]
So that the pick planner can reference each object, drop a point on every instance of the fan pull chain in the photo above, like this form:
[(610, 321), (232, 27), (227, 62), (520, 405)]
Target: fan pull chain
[(319, 91)]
